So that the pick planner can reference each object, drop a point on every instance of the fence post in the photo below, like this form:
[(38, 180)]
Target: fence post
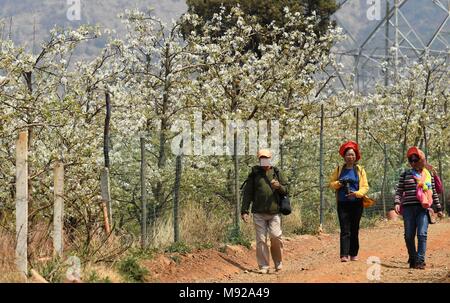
[(321, 177), (22, 202), (143, 196), (383, 187), (58, 212), (357, 125), (176, 195), (442, 197), (237, 213)]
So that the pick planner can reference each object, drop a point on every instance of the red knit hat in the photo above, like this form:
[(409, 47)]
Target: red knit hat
[(350, 144)]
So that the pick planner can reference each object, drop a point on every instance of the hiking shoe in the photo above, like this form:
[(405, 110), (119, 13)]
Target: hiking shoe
[(412, 262), (420, 265), (354, 258), (263, 271), (344, 259)]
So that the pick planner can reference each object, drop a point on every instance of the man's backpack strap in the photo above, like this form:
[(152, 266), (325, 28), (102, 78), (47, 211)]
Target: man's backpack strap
[(250, 175), (277, 172)]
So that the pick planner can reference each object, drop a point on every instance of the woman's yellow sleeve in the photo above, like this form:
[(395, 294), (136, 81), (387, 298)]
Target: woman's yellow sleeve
[(334, 180), (363, 184)]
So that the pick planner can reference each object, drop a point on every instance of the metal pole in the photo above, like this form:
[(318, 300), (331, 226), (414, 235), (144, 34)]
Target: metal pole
[(176, 191), (321, 168), (357, 124), (383, 188), (396, 42), (442, 180), (386, 73), (143, 196)]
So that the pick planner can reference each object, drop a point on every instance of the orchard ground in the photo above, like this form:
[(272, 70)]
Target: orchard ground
[(313, 259)]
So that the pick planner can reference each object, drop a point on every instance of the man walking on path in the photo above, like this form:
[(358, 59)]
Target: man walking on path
[(263, 188)]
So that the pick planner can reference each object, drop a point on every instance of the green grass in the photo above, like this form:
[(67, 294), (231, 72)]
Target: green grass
[(237, 237), (147, 253), (93, 277), (130, 269), (176, 259), (53, 270), (205, 245), (179, 247)]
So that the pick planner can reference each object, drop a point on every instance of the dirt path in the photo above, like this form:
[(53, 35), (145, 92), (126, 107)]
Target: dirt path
[(314, 259)]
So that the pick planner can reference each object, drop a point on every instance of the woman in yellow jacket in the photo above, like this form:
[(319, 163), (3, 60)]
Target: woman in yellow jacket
[(350, 183)]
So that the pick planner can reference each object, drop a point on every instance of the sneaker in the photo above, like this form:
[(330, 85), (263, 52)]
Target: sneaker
[(344, 259), (279, 267), (263, 271), (354, 258)]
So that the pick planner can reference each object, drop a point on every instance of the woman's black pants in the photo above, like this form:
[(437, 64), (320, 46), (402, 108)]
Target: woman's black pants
[(349, 213)]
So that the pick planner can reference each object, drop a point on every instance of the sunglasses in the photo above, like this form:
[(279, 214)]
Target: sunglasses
[(413, 160)]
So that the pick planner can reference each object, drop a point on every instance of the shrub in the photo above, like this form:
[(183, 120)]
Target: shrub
[(132, 270)]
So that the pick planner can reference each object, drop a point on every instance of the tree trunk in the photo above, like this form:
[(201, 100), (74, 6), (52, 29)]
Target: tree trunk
[(105, 189)]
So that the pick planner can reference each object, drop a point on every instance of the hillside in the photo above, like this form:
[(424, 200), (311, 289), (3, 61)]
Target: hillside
[(20, 17)]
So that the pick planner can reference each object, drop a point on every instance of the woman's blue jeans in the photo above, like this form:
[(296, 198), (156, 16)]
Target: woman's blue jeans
[(415, 220)]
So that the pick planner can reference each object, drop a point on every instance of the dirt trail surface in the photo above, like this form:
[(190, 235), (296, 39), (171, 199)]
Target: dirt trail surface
[(314, 259)]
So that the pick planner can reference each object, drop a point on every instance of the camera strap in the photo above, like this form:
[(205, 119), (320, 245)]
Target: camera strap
[(267, 179)]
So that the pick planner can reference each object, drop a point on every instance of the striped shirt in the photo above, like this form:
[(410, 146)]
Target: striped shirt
[(407, 187)]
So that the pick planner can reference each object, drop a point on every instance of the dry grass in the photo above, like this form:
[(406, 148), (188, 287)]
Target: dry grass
[(8, 271), (200, 226), (197, 227), (291, 222)]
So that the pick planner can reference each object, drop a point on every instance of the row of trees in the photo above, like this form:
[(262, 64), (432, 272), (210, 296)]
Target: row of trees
[(91, 114)]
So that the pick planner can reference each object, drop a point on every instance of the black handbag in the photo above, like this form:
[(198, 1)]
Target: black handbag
[(285, 202), (285, 205)]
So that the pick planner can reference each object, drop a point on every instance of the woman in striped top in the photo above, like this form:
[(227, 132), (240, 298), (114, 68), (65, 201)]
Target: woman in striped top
[(414, 207)]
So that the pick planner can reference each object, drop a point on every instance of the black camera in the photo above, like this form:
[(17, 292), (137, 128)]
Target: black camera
[(346, 184)]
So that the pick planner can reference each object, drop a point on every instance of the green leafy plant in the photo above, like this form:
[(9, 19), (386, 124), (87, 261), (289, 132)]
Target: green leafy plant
[(132, 270), (179, 247), (236, 237), (94, 277)]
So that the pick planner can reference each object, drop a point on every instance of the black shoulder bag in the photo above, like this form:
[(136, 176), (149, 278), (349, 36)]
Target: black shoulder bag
[(285, 203)]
